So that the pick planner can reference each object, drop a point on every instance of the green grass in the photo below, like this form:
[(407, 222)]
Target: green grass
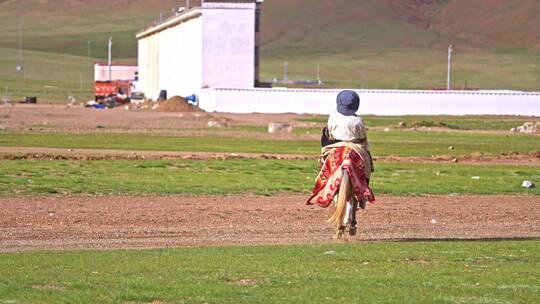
[(262, 177), (50, 77), (365, 44), (400, 143), (419, 272), (402, 67), (451, 122), (421, 179), (407, 143), (155, 177), (156, 143)]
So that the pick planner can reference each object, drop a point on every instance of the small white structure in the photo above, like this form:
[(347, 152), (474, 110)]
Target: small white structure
[(215, 45), (118, 72)]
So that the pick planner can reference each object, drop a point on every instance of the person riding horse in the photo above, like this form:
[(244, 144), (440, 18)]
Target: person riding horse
[(345, 126), (345, 151)]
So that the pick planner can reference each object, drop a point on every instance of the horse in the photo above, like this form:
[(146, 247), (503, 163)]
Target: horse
[(343, 182)]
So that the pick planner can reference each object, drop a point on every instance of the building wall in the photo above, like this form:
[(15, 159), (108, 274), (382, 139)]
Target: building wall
[(210, 46), (148, 56), (229, 45), (377, 102), (171, 60), (180, 61)]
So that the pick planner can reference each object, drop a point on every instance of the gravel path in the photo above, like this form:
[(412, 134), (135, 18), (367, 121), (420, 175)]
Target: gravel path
[(37, 223)]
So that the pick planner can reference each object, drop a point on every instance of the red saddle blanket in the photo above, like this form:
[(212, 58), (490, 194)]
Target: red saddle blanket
[(341, 160)]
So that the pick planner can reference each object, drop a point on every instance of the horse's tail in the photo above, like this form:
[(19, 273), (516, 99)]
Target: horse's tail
[(344, 193)]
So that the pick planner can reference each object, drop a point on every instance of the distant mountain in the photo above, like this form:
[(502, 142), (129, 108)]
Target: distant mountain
[(360, 43), (500, 23), (495, 23), (294, 23)]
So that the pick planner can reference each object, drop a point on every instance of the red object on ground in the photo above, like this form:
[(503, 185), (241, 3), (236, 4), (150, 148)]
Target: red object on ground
[(343, 160), (106, 88)]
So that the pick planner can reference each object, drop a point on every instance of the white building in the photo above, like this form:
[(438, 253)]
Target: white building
[(214, 45), (117, 72), (212, 51)]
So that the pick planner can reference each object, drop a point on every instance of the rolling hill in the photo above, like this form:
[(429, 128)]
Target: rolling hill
[(363, 43)]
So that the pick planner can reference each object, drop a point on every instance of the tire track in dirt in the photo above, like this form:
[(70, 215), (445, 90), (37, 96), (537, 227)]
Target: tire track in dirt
[(24, 153)]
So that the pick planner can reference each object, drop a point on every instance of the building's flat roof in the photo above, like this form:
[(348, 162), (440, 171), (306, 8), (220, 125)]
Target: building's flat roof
[(99, 63), (173, 21), (234, 1), (187, 15)]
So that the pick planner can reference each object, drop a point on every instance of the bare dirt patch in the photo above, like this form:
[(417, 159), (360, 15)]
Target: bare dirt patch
[(18, 153), (245, 282), (78, 120), (34, 223), (48, 287), (415, 261), (23, 153), (176, 118)]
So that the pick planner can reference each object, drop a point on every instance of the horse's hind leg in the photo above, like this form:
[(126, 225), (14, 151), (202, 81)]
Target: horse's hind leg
[(354, 208), (348, 218)]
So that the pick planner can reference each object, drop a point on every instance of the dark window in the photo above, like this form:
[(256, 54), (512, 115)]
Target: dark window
[(256, 56), (257, 20)]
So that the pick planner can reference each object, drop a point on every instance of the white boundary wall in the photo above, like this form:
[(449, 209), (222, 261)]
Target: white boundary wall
[(376, 102)]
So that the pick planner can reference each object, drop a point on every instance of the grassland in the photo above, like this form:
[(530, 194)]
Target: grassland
[(364, 44), (448, 272), (398, 143), (49, 77), (262, 177), (368, 44), (450, 122), (465, 123)]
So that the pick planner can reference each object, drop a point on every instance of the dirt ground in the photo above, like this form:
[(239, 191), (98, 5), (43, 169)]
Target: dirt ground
[(37, 223), (33, 223), (61, 118), (25, 153), (84, 120), (57, 118)]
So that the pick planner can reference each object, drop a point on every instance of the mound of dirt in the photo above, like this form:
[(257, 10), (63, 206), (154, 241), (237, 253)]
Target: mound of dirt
[(176, 104)]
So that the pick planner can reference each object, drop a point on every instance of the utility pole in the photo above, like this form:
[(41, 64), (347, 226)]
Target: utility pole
[(110, 58), (20, 65), (449, 76), (80, 84), (319, 82), (286, 71)]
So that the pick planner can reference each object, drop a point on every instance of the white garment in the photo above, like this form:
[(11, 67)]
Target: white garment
[(347, 128)]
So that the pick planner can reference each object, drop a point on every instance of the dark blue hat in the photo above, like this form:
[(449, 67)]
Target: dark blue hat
[(348, 102)]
